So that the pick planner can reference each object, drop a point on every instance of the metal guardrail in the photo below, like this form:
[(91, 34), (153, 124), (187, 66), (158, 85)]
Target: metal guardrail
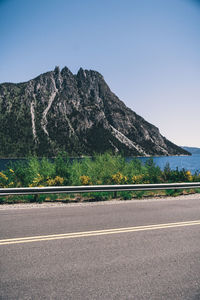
[(97, 188)]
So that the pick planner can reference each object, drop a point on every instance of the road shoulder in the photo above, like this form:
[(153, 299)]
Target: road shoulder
[(109, 202)]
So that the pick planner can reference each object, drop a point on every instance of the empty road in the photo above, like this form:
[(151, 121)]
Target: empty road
[(146, 249)]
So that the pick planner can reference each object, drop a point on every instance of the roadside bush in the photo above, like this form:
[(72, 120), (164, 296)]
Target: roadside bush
[(102, 169), (127, 195), (3, 180), (154, 173), (99, 196), (62, 167), (170, 192), (139, 194), (119, 178)]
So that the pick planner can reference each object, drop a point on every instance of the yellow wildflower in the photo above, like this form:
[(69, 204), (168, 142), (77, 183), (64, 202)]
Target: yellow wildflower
[(2, 175), (119, 178), (188, 175), (55, 181), (137, 178), (85, 180), (99, 182)]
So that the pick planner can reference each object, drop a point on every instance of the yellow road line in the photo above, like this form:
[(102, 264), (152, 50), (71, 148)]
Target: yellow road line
[(95, 233)]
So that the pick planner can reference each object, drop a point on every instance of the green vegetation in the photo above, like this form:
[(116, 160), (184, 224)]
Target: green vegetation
[(101, 169)]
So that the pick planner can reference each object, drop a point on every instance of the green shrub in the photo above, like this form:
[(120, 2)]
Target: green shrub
[(62, 166), (139, 194), (102, 169), (154, 173), (170, 192), (39, 198), (99, 196), (127, 195)]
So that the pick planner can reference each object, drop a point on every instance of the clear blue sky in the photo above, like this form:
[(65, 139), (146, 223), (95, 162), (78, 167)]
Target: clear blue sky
[(147, 50)]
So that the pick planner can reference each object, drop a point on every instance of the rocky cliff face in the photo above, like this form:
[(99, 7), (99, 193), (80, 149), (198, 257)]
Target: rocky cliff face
[(76, 113)]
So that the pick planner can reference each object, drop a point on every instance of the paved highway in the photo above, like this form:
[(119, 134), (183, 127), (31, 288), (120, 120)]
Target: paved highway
[(129, 250)]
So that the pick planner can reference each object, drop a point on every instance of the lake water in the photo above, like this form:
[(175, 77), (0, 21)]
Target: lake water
[(191, 163)]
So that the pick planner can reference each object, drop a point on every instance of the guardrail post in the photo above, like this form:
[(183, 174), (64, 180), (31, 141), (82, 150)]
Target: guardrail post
[(36, 198)]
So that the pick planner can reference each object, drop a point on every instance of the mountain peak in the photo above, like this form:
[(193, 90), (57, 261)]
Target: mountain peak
[(57, 69), (66, 71), (88, 73)]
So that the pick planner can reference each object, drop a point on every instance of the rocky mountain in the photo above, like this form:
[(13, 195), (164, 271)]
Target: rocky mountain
[(79, 114)]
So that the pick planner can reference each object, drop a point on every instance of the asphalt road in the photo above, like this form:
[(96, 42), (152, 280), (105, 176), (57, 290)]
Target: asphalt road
[(108, 251)]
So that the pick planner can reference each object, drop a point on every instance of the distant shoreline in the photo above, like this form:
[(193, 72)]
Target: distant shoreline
[(81, 157)]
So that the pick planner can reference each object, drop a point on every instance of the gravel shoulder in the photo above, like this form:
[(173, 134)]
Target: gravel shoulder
[(108, 202)]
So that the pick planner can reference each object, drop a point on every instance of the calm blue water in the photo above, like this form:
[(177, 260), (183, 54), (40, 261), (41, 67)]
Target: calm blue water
[(191, 163)]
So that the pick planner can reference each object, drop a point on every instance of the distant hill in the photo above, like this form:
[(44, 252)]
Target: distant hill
[(192, 150), (76, 113)]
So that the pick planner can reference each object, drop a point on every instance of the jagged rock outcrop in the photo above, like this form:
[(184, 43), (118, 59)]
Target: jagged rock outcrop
[(77, 113)]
